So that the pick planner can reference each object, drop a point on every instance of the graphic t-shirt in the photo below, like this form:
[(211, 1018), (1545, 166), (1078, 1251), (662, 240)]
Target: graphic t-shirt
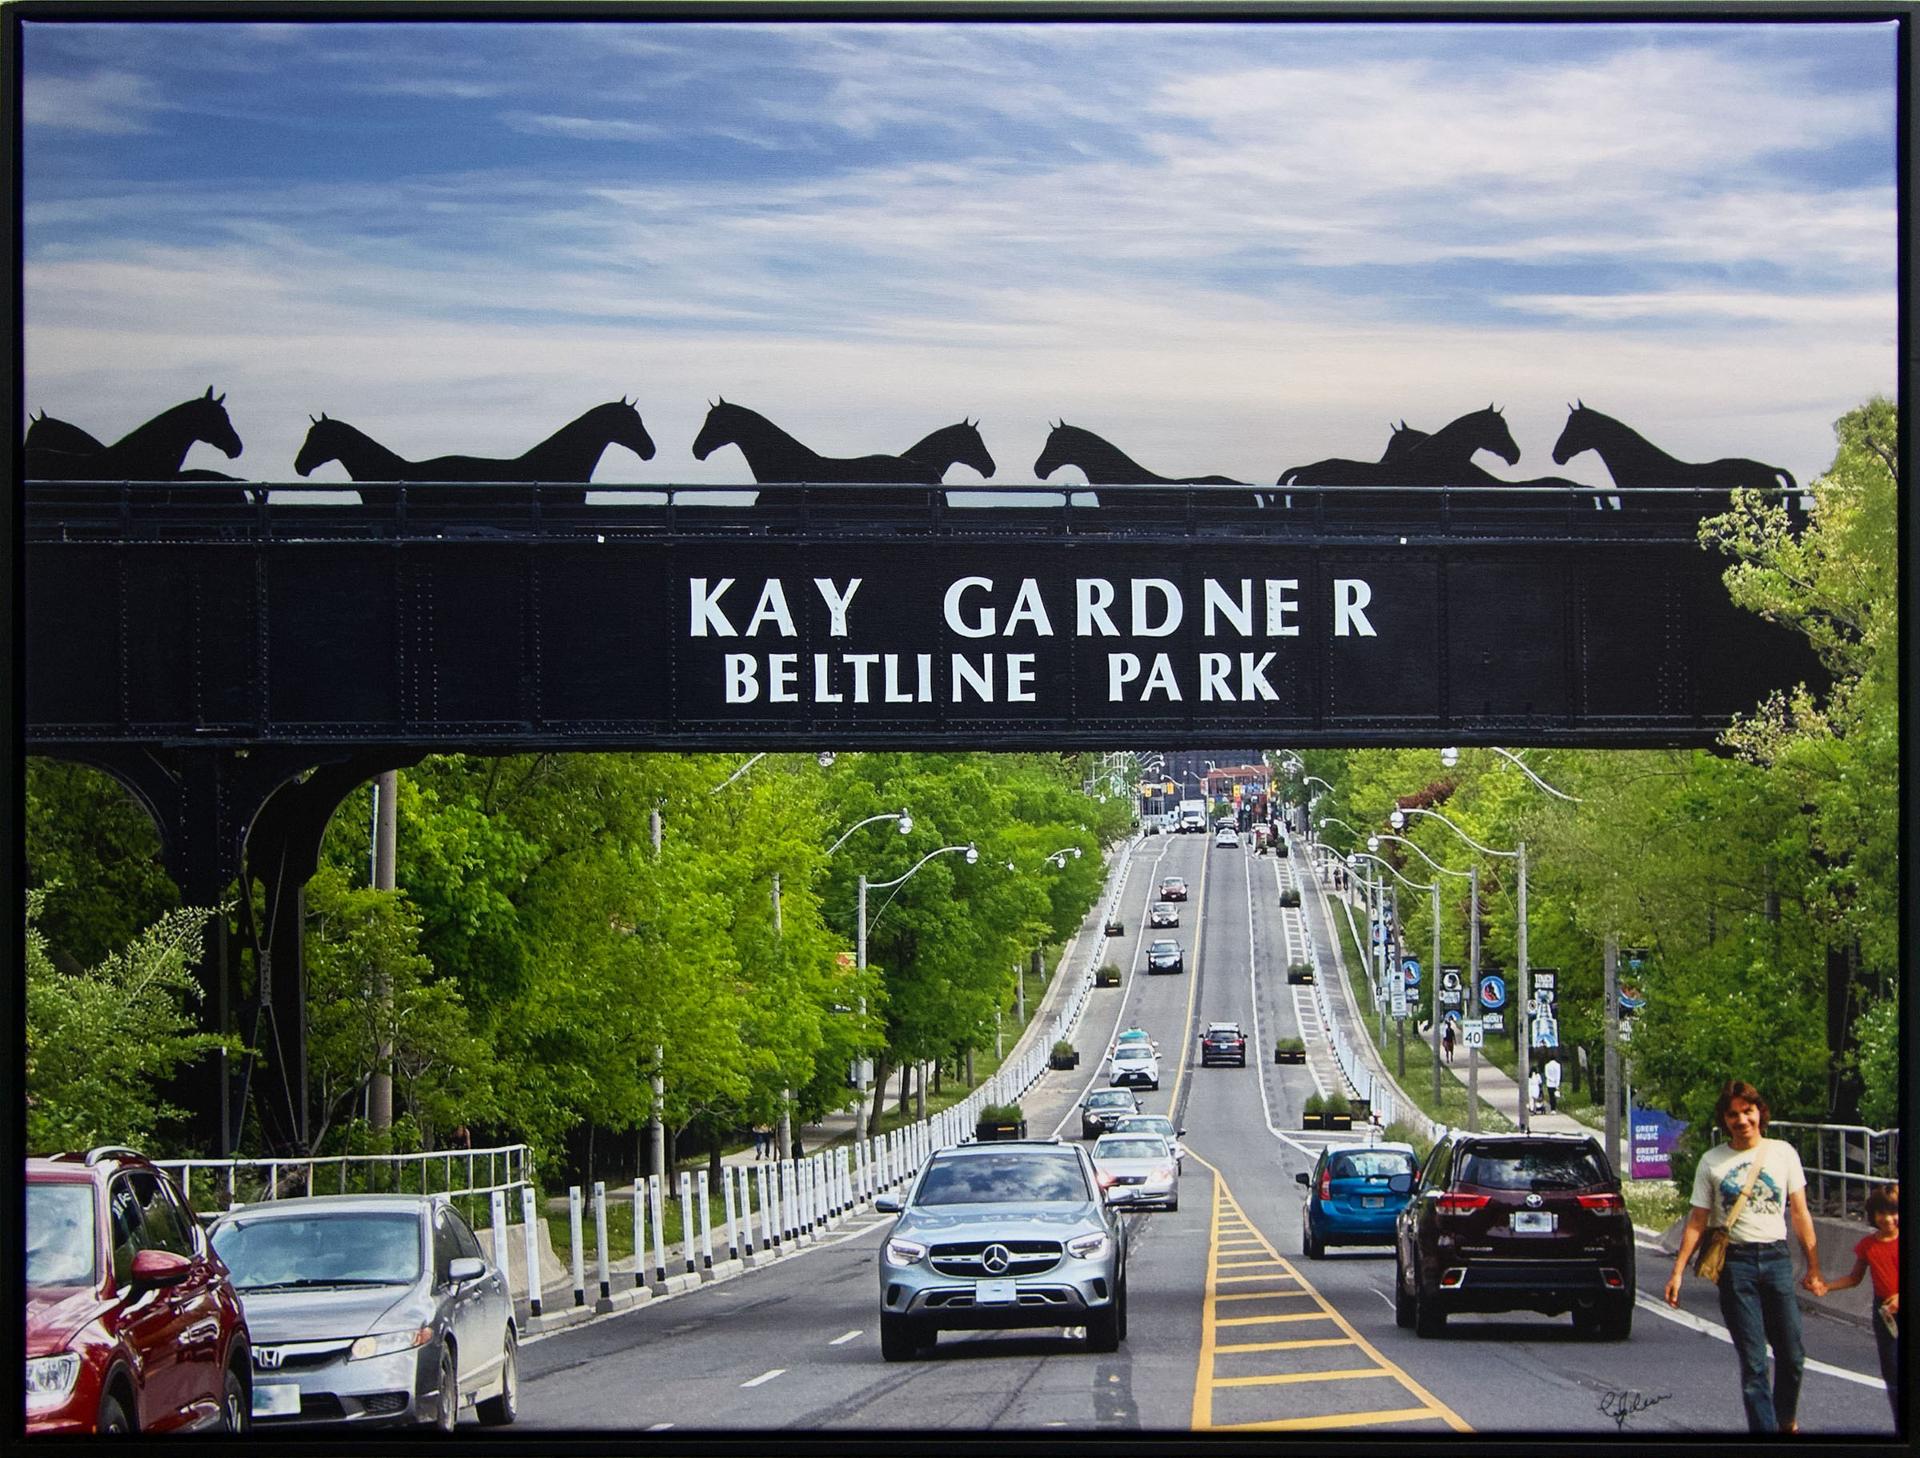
[(1722, 1175), (1883, 1264)]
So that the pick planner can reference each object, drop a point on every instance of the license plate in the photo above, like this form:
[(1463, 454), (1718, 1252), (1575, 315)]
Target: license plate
[(1533, 1222), (1373, 1202), (994, 1293), (276, 1399)]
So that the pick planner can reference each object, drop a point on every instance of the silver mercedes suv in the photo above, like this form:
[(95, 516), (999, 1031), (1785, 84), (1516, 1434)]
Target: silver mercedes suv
[(1010, 1233)]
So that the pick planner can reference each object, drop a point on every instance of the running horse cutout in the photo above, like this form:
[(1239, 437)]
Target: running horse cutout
[(1105, 464), (1444, 458), (57, 451), (776, 458), (570, 455), (952, 445), (1634, 462)]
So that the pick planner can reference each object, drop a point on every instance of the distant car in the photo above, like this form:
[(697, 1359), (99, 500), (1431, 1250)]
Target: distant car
[(1226, 836), (371, 1310), (1164, 955), (1164, 913), (1134, 1064), (1137, 1169), (1350, 1199), (1223, 1043), (1154, 1124), (1101, 1108), (1515, 1222), (133, 1324), (1135, 1035), (1004, 1234), (1173, 888)]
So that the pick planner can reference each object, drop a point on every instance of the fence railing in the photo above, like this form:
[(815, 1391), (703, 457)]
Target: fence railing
[(1844, 1163), (213, 1185)]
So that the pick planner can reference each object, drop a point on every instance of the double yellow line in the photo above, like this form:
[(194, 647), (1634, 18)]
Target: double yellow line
[(1243, 1266)]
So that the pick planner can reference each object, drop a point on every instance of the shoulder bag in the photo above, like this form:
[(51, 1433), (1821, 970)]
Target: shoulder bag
[(1712, 1254)]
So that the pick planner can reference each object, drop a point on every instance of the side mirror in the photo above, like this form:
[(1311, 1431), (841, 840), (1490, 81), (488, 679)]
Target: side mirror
[(1301, 1179), (1180, 1133), (1401, 1184), (156, 1268), (465, 1268), (887, 1204)]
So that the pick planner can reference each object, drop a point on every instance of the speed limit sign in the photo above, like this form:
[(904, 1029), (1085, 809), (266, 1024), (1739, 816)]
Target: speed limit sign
[(1472, 1035)]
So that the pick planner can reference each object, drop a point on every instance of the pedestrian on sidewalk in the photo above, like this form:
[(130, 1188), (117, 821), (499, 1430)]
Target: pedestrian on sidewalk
[(1553, 1084), (762, 1140), (1879, 1254), (1533, 1092), (1446, 1039), (1752, 1187)]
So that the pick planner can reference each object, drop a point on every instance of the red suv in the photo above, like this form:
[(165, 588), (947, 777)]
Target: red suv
[(133, 1324), (1515, 1222)]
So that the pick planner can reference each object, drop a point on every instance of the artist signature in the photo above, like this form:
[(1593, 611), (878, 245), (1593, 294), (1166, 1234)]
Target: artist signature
[(1621, 1405)]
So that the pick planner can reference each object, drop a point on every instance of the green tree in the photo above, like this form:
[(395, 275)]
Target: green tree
[(87, 834), (101, 1042)]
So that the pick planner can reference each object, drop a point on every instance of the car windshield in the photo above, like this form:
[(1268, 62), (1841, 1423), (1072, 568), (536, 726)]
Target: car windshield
[(1166, 948), (1136, 1147), (60, 1241), (1173, 883), (1531, 1169), (1147, 1124), (1132, 1053), (1117, 1098), (1368, 1163), (989, 1179), (363, 1248), (1223, 1030)]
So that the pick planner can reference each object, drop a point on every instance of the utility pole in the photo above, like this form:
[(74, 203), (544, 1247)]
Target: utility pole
[(1433, 993), (1523, 1023), (386, 797), (1610, 990), (1473, 996), (785, 1124)]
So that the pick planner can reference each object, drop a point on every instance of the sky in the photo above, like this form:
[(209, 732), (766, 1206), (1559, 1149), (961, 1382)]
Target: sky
[(1227, 248)]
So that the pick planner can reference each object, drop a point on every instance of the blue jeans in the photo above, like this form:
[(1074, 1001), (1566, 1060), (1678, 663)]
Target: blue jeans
[(1758, 1304), (1889, 1344)]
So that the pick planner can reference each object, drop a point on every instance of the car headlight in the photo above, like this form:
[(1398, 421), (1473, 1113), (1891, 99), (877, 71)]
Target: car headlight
[(1088, 1247), (904, 1252), (385, 1344), (51, 1378)]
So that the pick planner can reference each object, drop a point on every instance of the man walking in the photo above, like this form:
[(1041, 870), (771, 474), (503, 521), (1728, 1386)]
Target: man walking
[(1553, 1084)]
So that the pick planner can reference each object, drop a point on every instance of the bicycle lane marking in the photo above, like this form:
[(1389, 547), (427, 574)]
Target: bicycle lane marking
[(1238, 1253)]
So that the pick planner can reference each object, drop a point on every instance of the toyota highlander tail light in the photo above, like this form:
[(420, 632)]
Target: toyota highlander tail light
[(1452, 1204), (1602, 1202)]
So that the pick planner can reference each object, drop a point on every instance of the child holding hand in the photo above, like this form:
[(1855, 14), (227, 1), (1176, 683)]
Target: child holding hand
[(1878, 1255)]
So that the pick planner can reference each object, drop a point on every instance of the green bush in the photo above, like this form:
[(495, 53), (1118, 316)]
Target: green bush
[(1063, 1049), (1001, 1114), (1315, 1104), (1289, 1045), (1290, 897), (1338, 1103)]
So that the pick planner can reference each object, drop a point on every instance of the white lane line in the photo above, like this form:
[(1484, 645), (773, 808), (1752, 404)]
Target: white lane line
[(841, 1341), (659, 1427), (763, 1377), (1720, 1333)]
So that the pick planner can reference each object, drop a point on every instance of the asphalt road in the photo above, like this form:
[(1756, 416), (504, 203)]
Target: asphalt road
[(1231, 1326)]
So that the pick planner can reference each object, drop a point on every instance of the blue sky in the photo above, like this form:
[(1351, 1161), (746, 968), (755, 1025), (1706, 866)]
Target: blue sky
[(1227, 248)]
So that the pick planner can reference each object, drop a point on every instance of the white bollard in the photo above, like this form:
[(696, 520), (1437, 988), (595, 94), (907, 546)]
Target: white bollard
[(706, 1222), (579, 1254), (600, 1239), (654, 1198), (789, 1199), (769, 1232), (686, 1220), (726, 1197), (498, 1210), (533, 1249), (639, 1233)]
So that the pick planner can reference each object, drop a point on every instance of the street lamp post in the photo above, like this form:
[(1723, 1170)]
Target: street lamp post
[(1522, 1031), (1433, 983)]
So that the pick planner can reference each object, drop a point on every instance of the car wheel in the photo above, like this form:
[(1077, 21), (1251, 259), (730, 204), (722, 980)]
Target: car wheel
[(446, 1415), (1174, 1203), (113, 1418), (1310, 1243), (900, 1338), (1106, 1329), (1402, 1301), (1428, 1319), (1612, 1323), (497, 1412), (236, 1404)]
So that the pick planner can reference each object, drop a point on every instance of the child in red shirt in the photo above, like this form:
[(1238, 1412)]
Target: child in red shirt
[(1879, 1255)]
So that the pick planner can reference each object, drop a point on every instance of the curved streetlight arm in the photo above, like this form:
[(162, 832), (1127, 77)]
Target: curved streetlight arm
[(1443, 870), (1451, 757), (860, 959), (737, 773), (1412, 885), (1326, 820), (1483, 849), (1316, 780), (905, 820)]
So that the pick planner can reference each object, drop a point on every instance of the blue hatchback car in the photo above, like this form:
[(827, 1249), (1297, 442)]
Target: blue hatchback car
[(1349, 1198)]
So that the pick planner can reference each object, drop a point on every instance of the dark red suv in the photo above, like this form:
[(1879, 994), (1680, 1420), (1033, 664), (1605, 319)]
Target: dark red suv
[(1515, 1222), (132, 1321)]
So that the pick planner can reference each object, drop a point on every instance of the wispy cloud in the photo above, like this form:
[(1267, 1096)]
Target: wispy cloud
[(106, 103)]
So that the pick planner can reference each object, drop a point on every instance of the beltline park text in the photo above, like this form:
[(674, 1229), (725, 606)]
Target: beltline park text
[(980, 608)]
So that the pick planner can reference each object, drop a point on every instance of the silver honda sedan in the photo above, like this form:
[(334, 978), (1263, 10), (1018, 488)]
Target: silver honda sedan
[(371, 1310)]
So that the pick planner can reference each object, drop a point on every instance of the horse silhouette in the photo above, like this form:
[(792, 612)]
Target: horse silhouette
[(951, 445), (1105, 464), (776, 457), (1444, 458), (151, 452), (569, 455), (1634, 461)]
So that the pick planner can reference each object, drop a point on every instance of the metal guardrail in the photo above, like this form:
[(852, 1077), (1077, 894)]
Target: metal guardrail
[(452, 1172)]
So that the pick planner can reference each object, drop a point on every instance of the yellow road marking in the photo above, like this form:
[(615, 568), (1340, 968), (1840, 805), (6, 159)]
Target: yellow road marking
[(1227, 1215)]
